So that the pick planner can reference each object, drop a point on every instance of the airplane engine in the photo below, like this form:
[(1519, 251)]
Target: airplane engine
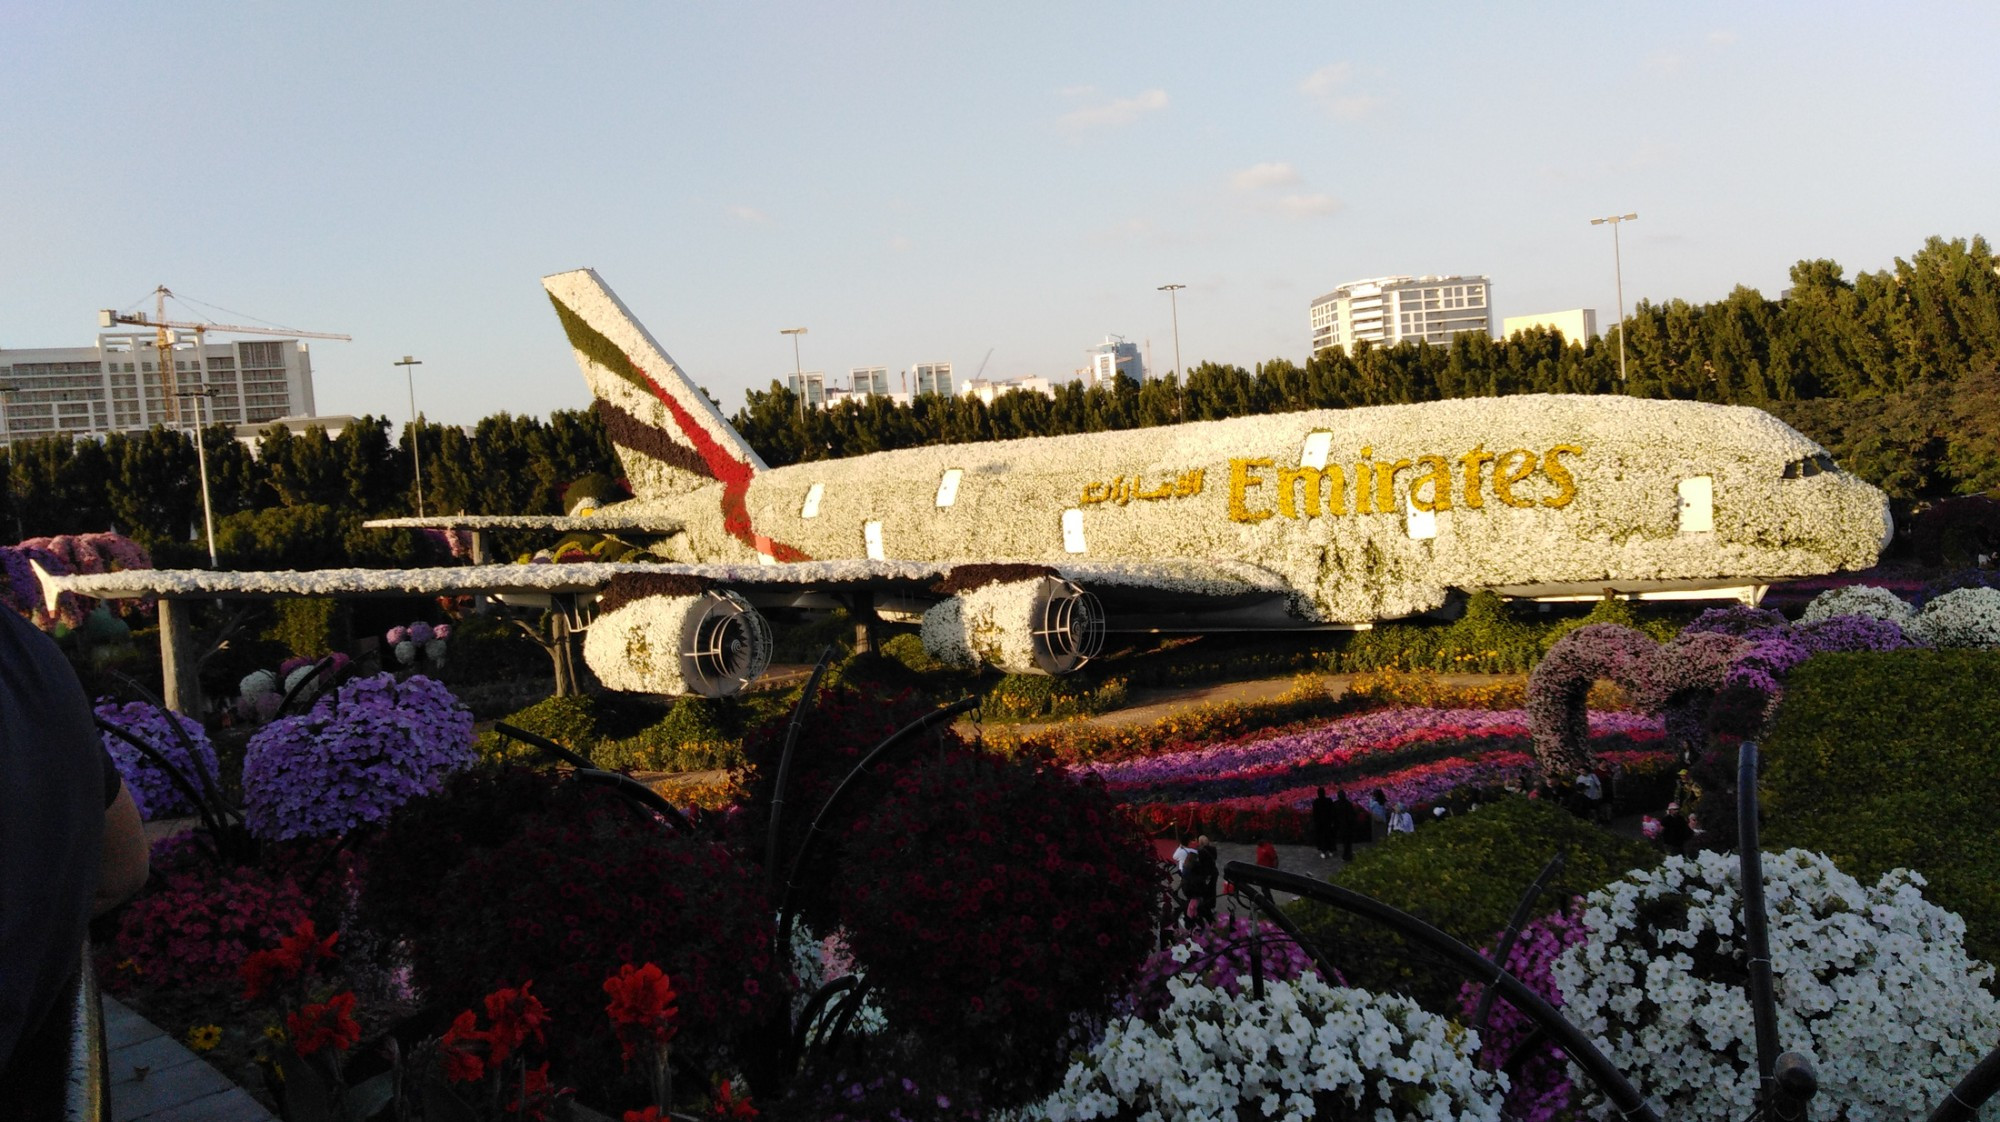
[(1042, 626), (712, 644)]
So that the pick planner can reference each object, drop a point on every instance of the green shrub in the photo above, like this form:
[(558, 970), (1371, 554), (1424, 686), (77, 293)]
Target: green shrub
[(1886, 760), (569, 721), (697, 734), (1029, 696), (1463, 875), (908, 649), (307, 626)]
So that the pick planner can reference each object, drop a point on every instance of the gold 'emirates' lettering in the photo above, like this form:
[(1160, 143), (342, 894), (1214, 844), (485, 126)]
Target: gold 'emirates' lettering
[(1307, 492)]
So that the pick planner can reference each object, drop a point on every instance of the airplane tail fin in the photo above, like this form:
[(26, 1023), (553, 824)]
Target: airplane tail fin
[(670, 436)]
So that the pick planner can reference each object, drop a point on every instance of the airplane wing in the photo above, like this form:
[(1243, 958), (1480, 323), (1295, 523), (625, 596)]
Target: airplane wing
[(1220, 581), (610, 522)]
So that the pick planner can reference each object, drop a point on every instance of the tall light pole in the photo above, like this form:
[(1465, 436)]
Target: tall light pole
[(1180, 375), (205, 392), (7, 438), (1618, 271), (416, 459), (798, 371)]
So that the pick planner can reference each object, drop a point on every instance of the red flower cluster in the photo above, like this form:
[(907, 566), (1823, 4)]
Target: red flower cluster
[(328, 1024), (515, 1015), (725, 1104), (295, 954), (642, 1006)]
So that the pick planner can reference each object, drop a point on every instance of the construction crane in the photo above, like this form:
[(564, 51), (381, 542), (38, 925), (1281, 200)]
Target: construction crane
[(170, 392)]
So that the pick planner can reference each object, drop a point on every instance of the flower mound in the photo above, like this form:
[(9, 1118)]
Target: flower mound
[(155, 794), (1969, 617), (356, 756), (1858, 600), (1306, 1050), (200, 926), (1557, 688), (1874, 984), (997, 906)]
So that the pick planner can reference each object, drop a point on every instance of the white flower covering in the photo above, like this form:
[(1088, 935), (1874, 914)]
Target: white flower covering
[(1210, 1054), (637, 647), (1859, 600), (992, 624), (258, 682), (406, 653), (1620, 524), (434, 651), (1965, 617), (1873, 984), (817, 960)]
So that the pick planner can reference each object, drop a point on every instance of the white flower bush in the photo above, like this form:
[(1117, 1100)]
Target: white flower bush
[(1210, 1054), (637, 647), (992, 624), (1873, 984), (1966, 617), (1859, 600)]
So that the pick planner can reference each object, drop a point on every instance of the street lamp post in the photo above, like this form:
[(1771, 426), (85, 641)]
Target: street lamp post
[(205, 392), (7, 438), (1180, 374), (798, 371), (416, 458), (1618, 272)]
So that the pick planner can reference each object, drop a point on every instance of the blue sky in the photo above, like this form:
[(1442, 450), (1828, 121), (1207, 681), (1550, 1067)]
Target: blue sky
[(914, 182)]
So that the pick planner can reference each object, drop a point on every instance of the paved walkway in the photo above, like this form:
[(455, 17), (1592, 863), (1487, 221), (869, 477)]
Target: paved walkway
[(1152, 705), (155, 1079)]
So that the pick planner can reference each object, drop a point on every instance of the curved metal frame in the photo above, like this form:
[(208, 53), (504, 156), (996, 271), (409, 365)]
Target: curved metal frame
[(588, 772), (725, 645), (1069, 628)]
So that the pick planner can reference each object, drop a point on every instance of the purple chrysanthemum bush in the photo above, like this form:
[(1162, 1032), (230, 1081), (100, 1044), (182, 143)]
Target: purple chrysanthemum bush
[(1746, 650), (360, 753), (152, 790)]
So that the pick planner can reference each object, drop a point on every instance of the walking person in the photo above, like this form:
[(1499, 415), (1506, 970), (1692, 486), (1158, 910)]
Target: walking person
[(1198, 883), (1325, 829), (1346, 823)]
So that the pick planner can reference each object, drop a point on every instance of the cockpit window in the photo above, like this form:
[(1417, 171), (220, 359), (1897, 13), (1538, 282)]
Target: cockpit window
[(1811, 465)]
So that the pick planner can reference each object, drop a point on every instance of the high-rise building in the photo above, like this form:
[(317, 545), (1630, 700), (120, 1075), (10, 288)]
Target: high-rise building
[(117, 385), (1390, 310), (871, 380), (1113, 357), (933, 377), (811, 384)]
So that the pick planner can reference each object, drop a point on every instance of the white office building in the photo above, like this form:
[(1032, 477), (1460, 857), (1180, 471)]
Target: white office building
[(119, 385), (933, 377), (988, 390), (1113, 357), (1390, 310), (872, 381), (1577, 325), (811, 385)]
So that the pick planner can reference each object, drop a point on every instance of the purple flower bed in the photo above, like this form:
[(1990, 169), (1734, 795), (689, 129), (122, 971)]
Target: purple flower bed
[(1336, 743), (357, 755), (1542, 1088), (154, 793)]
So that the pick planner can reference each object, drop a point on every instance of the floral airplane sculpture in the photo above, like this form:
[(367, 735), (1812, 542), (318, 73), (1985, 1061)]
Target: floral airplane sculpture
[(1021, 553)]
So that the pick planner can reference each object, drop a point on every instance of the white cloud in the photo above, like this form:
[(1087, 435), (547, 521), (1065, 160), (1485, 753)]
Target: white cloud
[(1332, 87), (1260, 176), (1121, 111), (1666, 62), (1308, 206), (899, 243), (1722, 38), (749, 214)]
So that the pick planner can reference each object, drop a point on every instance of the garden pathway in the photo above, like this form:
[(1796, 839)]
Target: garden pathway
[(155, 1079)]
